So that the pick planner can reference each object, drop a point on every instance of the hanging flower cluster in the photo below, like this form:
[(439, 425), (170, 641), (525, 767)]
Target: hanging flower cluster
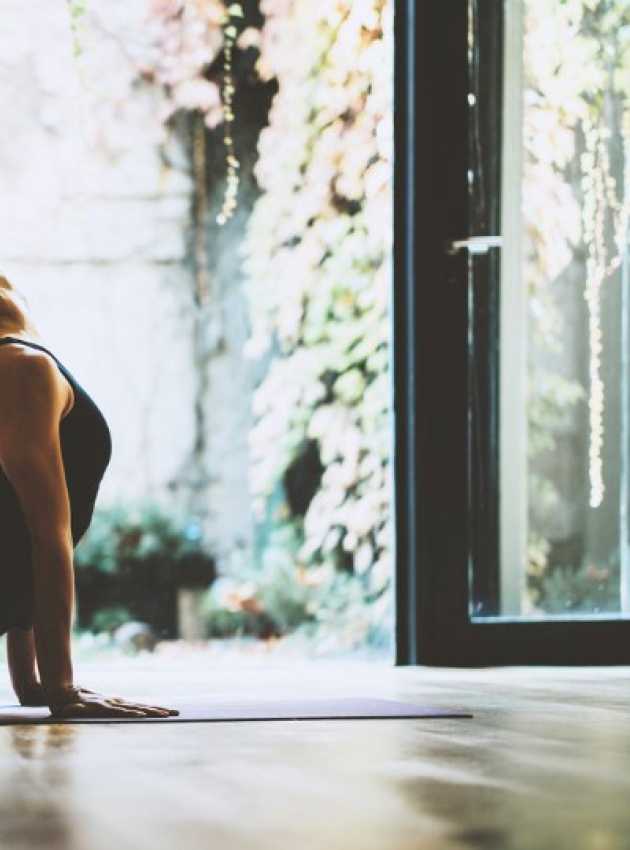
[(187, 38), (318, 258)]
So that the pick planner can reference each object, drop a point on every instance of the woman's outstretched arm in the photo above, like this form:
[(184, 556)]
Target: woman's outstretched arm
[(33, 398)]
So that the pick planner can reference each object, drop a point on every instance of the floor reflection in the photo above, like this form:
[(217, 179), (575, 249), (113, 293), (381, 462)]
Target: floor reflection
[(542, 766), (32, 741), (523, 780), (36, 786)]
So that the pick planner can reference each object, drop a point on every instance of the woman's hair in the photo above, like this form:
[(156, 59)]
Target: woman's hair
[(8, 308)]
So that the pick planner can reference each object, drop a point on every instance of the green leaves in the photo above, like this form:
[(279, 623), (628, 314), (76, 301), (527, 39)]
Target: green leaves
[(318, 257), (78, 9)]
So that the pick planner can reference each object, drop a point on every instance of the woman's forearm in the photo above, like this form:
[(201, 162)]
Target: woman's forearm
[(53, 577), (22, 660)]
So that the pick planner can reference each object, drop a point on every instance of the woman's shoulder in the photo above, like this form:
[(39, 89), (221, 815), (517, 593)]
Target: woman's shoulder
[(30, 377), (17, 355)]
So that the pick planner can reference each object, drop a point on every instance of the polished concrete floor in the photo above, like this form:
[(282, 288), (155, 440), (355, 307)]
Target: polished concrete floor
[(544, 765)]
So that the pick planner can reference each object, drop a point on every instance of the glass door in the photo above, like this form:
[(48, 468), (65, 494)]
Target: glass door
[(550, 310), (525, 552)]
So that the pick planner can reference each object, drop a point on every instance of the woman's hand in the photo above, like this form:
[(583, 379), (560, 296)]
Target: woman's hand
[(81, 702)]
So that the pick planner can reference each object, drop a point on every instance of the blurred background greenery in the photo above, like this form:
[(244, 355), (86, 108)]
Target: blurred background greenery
[(244, 368)]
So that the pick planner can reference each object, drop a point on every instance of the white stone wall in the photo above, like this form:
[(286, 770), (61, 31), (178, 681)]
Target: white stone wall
[(94, 230)]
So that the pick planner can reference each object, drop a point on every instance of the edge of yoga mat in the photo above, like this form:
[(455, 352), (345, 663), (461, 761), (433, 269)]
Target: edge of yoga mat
[(238, 711)]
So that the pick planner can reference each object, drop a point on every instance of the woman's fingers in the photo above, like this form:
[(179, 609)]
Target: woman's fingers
[(142, 711), (134, 704), (129, 710), (145, 707)]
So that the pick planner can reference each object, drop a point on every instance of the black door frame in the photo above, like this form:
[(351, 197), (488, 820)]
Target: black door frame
[(435, 452)]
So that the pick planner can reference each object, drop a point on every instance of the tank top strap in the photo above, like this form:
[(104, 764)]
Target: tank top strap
[(68, 375), (5, 339)]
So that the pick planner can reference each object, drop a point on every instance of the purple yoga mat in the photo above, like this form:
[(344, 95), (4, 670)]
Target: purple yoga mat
[(333, 708)]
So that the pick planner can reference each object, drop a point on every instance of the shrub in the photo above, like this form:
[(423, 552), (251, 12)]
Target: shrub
[(134, 558), (283, 595)]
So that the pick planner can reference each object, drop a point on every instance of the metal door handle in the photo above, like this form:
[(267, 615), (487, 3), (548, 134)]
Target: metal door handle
[(474, 244)]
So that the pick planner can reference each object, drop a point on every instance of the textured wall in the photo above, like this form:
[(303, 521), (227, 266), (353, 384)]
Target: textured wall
[(94, 228)]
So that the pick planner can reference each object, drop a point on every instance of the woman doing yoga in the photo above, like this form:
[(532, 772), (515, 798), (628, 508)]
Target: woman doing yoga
[(54, 448)]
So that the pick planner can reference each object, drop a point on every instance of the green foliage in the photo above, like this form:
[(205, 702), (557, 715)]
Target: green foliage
[(133, 559), (318, 259), (108, 619), (78, 10), (270, 598), (284, 596), (120, 536), (587, 589)]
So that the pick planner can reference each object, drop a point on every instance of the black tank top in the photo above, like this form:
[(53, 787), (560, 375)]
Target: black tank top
[(86, 448)]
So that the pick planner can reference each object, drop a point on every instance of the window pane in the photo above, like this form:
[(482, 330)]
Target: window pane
[(564, 340)]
